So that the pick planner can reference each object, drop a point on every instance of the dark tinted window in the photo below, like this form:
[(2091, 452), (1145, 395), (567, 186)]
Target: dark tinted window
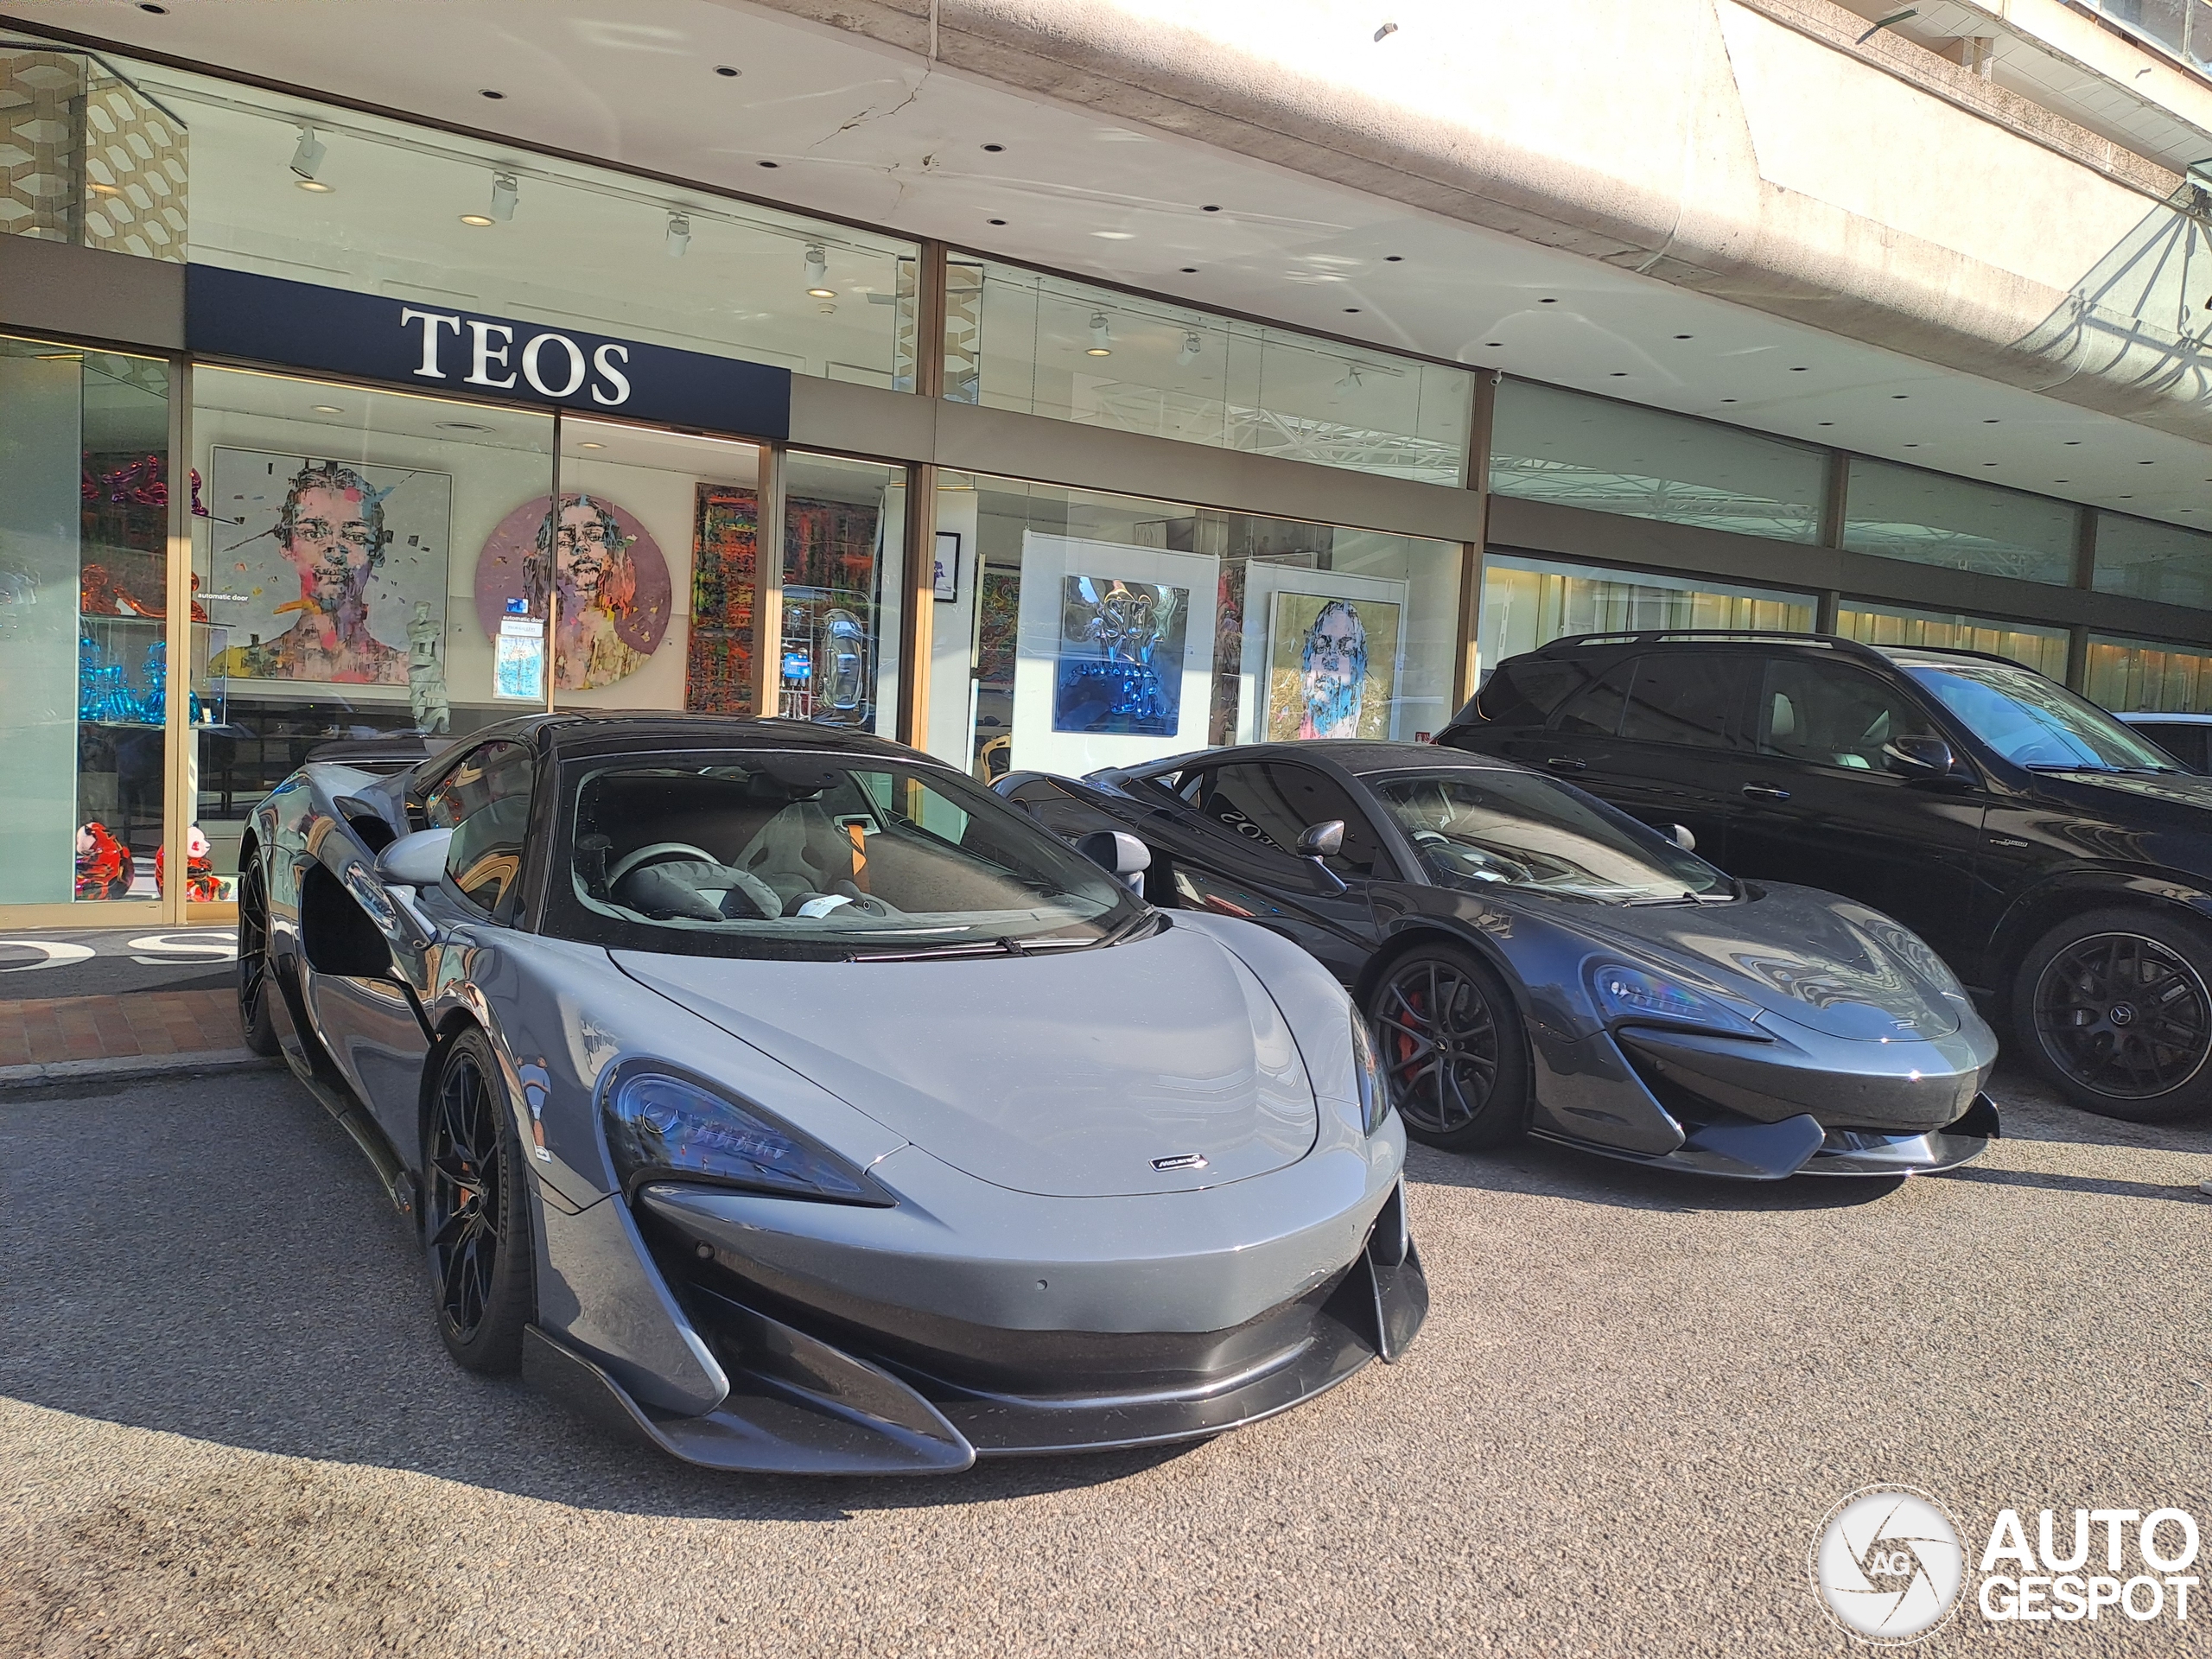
[(2184, 743), (1685, 698), (1829, 714), (1525, 690), (1597, 712), (485, 801), (1271, 803)]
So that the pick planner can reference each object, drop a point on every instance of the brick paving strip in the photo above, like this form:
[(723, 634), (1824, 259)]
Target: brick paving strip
[(46, 1039)]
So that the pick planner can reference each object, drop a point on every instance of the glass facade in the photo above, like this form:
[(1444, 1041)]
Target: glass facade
[(1099, 629), (1902, 512), (1552, 445), (1529, 602), (91, 160), (2148, 560), (1019, 340), (84, 632), (2147, 675), (2041, 648)]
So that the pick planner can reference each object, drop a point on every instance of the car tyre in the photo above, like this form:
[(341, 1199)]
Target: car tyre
[(2114, 1007), (475, 1211), (257, 1019), (1449, 1035)]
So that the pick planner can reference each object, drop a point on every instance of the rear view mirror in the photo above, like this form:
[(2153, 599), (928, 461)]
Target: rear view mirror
[(416, 860), (1119, 853), (1684, 839), (1919, 757), (1322, 840)]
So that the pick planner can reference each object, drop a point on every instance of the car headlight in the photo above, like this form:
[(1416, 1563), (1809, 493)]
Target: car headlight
[(658, 1124), (1641, 996), (1367, 1074)]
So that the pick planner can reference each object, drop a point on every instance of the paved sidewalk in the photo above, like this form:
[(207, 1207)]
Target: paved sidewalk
[(51, 1039)]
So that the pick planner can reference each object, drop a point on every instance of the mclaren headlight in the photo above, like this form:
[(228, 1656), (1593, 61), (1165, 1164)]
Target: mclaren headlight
[(661, 1125), (1630, 995), (1367, 1074)]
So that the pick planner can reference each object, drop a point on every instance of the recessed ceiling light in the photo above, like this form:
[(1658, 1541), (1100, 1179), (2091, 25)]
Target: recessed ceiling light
[(326, 409), (728, 71), (1989, 420), (1190, 270), (1547, 302), (767, 163), (2126, 497), (1098, 351), (1826, 422), (1351, 310), (2146, 463), (1801, 370), (486, 91), (462, 426), (1900, 395), (994, 149), (1210, 207), (479, 220), (1989, 463), (103, 189), (591, 446), (1115, 236), (1619, 374), (1494, 344), (1912, 446), (1685, 336), (1727, 400), (2062, 480), (998, 221), (149, 5), (1394, 258), (313, 187), (2073, 443)]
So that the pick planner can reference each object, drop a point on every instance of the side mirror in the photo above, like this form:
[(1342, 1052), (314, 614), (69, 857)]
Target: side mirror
[(1684, 839), (1919, 757), (1119, 853), (1319, 842), (416, 860)]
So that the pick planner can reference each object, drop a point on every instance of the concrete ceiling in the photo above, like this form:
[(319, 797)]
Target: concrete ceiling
[(821, 119)]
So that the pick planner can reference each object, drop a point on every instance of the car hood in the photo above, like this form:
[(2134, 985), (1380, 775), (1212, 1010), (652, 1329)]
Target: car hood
[(2178, 799), (1065, 1075), (1809, 957)]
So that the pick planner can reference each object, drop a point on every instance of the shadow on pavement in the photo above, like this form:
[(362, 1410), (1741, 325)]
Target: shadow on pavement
[(1545, 1169), (213, 1258)]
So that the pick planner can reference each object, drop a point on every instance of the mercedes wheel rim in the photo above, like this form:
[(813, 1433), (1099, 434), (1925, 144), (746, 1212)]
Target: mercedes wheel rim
[(463, 1214), (1439, 1044), (253, 948), (2123, 1015)]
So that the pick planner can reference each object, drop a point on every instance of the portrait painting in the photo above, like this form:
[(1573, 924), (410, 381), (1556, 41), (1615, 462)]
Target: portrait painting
[(1120, 668), (595, 568), (333, 558), (1332, 666)]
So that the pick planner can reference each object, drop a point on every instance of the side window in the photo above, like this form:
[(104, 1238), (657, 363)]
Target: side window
[(1830, 713), (1596, 712), (1271, 805), (1688, 697), (485, 801)]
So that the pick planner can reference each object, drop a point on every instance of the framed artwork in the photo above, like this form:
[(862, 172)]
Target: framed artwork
[(1113, 652), (330, 560), (718, 676), (1322, 653), (948, 567), (606, 570)]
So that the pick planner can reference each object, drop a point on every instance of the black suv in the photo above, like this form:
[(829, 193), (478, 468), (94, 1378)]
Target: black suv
[(2058, 861)]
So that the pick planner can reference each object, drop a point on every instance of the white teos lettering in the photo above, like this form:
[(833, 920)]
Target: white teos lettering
[(431, 322), (529, 353), (491, 349), (487, 357), (604, 359)]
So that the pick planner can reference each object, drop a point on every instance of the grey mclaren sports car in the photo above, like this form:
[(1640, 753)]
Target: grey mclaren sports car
[(1535, 961), (782, 1098)]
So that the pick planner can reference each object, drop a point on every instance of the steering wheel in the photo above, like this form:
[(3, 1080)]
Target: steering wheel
[(654, 855)]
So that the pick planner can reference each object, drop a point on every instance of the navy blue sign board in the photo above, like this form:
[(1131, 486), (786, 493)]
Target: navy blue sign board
[(442, 348)]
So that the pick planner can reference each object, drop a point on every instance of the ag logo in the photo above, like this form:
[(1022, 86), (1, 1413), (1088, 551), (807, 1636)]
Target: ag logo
[(1887, 1564)]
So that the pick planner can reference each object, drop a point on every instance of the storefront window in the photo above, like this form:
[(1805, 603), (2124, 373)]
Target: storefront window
[(84, 600), (1019, 340), (1902, 512), (1548, 444), (369, 565), (283, 186), (2148, 560), (1529, 602), (844, 528), (2041, 649), (2149, 676), (1098, 630)]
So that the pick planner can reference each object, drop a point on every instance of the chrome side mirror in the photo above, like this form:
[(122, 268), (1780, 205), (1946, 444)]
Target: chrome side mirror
[(1319, 842), (1119, 853), (416, 860), (1684, 839), (1920, 756)]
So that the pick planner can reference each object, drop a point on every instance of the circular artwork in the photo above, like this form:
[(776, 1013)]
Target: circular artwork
[(612, 585)]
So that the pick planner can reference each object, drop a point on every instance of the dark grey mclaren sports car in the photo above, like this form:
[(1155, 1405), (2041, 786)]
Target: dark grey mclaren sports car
[(786, 1099), (1534, 961)]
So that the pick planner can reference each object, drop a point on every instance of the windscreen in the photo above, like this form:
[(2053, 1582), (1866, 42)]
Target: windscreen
[(2037, 722), (818, 856), (1486, 828)]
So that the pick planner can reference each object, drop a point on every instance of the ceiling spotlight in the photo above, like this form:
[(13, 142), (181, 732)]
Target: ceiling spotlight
[(475, 221), (504, 197), (591, 446), (326, 409), (306, 157), (1100, 335), (1385, 33), (817, 272), (679, 234), (1192, 345), (728, 72)]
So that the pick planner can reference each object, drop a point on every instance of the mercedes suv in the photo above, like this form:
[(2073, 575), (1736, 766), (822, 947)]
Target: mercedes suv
[(2059, 862)]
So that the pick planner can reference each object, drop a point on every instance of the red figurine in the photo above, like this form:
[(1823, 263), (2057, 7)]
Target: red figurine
[(103, 864), (201, 886)]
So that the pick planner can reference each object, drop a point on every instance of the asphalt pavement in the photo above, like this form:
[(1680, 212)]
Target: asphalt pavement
[(227, 1427)]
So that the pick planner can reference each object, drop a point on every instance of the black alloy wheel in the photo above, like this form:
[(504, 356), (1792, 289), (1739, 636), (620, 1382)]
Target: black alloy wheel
[(1451, 1049), (475, 1218), (256, 1018), (2118, 1013)]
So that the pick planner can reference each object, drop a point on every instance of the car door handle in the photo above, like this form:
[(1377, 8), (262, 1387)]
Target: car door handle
[(1764, 793), (1563, 763)]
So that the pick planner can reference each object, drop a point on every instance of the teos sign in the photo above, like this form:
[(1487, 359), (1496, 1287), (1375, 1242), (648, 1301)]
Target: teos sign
[(300, 325)]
